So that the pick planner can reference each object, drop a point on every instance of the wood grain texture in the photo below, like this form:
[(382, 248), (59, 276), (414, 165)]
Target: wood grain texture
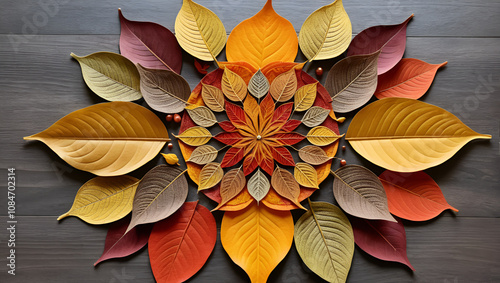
[(40, 83)]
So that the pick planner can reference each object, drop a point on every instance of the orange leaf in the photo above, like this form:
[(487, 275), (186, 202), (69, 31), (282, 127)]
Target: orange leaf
[(264, 38), (257, 239), (252, 110)]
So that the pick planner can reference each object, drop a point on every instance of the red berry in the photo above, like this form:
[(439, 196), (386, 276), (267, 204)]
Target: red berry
[(170, 145), (177, 118), (343, 162), (319, 71), (170, 117), (343, 147)]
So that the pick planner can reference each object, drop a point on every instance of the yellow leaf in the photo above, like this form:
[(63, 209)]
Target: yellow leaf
[(264, 38), (284, 86), (95, 138), (322, 135), (199, 31), (306, 175), (104, 199), (326, 33), (210, 175), (233, 86), (407, 135), (213, 97), (171, 158), (195, 136), (305, 96), (257, 239)]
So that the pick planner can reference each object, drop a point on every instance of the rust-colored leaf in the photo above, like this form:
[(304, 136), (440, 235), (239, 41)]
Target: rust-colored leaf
[(232, 184), (282, 156), (285, 185), (284, 86), (232, 156)]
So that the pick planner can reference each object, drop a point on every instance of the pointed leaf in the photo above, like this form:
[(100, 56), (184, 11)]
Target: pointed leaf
[(326, 33), (306, 175), (160, 193), (227, 126), (285, 185), (195, 136), (233, 86), (314, 155), (382, 239), (231, 185), (202, 69), (360, 193), (237, 116), (94, 138), (203, 154), (290, 125), (410, 135), (258, 85), (287, 138), (110, 75), (149, 44), (250, 163), (264, 38), (305, 97), (284, 86), (210, 175), (104, 199), (202, 116), (282, 156), (258, 185), (390, 40), (229, 138), (280, 117), (180, 245), (322, 135), (315, 116), (257, 239), (213, 97), (163, 90), (352, 81), (199, 31), (413, 196), (325, 242), (410, 78)]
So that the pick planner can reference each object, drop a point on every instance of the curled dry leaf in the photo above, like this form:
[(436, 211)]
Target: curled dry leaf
[(314, 155), (203, 154), (315, 116), (305, 175), (164, 90), (110, 75), (171, 158), (93, 138), (305, 97), (232, 184), (199, 31), (284, 86), (413, 196), (258, 185), (430, 136), (195, 136), (180, 245), (202, 69), (360, 193), (285, 185), (213, 97), (202, 116), (325, 242), (326, 33), (249, 234), (233, 86), (352, 81), (104, 199), (258, 85), (410, 78), (322, 136), (210, 175), (160, 193), (149, 44)]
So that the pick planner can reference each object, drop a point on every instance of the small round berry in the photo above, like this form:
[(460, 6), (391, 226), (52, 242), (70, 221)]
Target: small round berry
[(170, 145), (319, 71), (169, 117), (177, 118), (343, 147), (343, 162)]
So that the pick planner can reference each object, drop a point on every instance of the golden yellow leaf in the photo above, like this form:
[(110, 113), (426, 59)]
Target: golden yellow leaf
[(326, 33), (306, 175), (257, 239), (305, 96), (104, 199), (94, 138), (210, 175), (284, 86), (195, 136), (322, 135), (410, 135), (233, 86), (213, 97), (199, 31), (264, 38), (171, 158)]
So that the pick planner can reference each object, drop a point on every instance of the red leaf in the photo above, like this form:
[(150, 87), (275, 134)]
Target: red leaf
[(180, 245), (250, 163), (288, 138), (202, 69), (280, 116), (282, 156), (232, 156), (229, 138), (149, 44), (264, 158), (382, 239), (237, 116), (290, 125), (227, 126), (266, 111), (119, 245), (413, 196)]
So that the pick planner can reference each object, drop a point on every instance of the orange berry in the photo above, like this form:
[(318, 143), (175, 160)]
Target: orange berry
[(319, 71), (177, 118), (343, 162), (169, 117)]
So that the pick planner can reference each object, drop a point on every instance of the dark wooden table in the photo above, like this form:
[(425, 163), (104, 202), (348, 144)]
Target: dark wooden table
[(40, 83)]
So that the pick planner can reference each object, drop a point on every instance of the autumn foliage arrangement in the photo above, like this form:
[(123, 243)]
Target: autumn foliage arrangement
[(258, 137)]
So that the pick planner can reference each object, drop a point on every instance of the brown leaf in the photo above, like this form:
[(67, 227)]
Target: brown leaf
[(314, 155), (210, 175), (285, 185), (315, 116), (231, 185), (213, 97), (203, 154), (284, 86), (202, 116), (233, 86)]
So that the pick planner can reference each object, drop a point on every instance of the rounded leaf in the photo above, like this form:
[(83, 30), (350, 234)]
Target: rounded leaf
[(232, 184), (210, 175), (305, 175), (305, 97), (258, 185), (322, 136), (202, 116), (203, 154), (315, 116), (284, 86), (213, 97), (285, 185), (233, 86), (258, 85), (314, 155)]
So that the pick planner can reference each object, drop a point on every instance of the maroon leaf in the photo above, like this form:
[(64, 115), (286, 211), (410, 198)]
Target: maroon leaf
[(282, 156), (232, 156)]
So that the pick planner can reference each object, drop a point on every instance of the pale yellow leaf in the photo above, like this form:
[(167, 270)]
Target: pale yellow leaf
[(305, 96), (202, 116)]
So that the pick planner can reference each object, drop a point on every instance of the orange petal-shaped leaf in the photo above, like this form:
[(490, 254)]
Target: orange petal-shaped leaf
[(257, 239), (410, 78), (413, 196), (262, 39)]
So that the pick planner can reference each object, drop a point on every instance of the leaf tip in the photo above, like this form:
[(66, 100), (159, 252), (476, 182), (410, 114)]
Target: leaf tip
[(29, 138), (63, 216)]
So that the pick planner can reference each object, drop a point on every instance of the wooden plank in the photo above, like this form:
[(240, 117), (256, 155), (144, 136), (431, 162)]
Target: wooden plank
[(476, 18)]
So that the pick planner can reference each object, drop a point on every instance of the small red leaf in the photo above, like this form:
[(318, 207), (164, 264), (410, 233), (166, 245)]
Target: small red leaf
[(288, 138), (232, 156), (236, 114), (290, 125), (382, 239), (250, 163), (280, 116), (180, 245), (282, 156), (202, 69), (227, 126), (229, 138)]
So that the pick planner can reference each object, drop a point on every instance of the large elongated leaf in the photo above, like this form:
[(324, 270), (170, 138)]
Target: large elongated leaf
[(210, 175), (325, 242), (264, 38), (163, 90), (284, 86), (149, 44), (199, 31), (326, 33), (94, 138), (258, 85), (322, 135), (110, 75), (413, 196), (104, 199), (160, 193), (180, 245), (352, 81), (258, 185), (257, 239), (315, 116), (203, 154), (285, 185), (410, 78), (410, 135), (195, 136), (360, 193)]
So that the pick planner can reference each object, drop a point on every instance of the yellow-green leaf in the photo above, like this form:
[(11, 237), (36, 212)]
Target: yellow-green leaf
[(199, 31), (305, 96), (233, 86), (326, 33), (213, 97), (322, 135), (195, 136), (210, 175), (104, 199), (409, 135), (202, 116), (306, 175), (110, 75)]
